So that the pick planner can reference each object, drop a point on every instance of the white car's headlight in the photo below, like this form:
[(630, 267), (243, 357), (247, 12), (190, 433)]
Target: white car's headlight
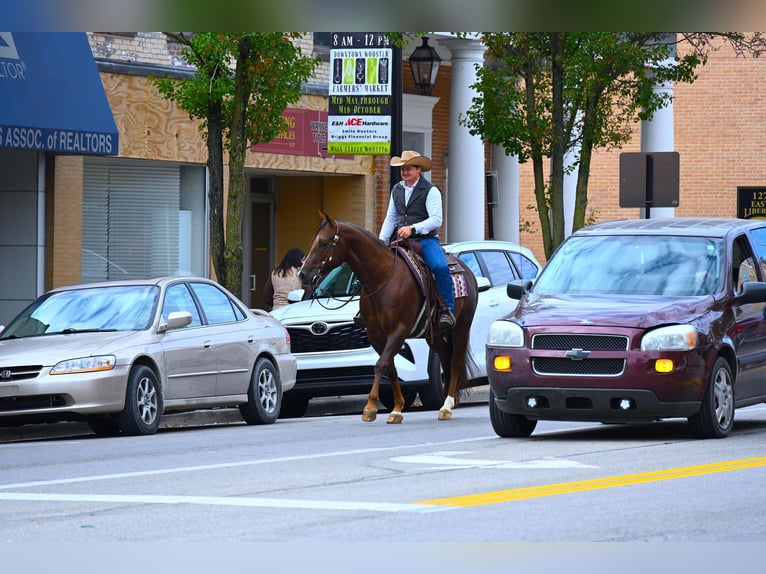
[(673, 338), (85, 365), (505, 334)]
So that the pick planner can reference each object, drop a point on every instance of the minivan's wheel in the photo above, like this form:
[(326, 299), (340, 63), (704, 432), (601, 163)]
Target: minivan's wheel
[(432, 395), (264, 396), (293, 406), (386, 396), (716, 415), (507, 425), (143, 403)]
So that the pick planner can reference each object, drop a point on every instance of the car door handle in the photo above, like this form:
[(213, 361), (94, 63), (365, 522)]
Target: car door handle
[(207, 345), (250, 340)]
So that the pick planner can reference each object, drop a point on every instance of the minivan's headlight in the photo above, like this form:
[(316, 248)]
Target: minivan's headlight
[(505, 334), (85, 365), (673, 338)]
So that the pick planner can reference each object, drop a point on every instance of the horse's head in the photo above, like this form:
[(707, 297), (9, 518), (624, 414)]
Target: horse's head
[(324, 254)]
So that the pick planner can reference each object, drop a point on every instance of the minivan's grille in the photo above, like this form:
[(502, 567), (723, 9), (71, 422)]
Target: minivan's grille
[(334, 337), (585, 367), (568, 341)]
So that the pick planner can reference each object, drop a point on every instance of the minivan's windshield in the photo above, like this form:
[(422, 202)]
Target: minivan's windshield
[(340, 282), (634, 265)]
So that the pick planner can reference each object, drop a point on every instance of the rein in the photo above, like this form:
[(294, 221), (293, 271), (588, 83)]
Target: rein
[(331, 251)]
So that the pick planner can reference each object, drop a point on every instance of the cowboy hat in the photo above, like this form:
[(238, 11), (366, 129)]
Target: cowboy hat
[(411, 158)]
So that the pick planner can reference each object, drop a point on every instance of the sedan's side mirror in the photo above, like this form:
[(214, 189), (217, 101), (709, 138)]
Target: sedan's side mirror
[(176, 320), (518, 288)]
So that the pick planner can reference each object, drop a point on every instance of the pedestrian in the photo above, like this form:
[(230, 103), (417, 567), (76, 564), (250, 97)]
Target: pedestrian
[(283, 279), (415, 213)]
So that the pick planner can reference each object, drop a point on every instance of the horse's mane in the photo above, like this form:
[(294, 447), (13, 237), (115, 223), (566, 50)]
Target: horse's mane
[(359, 228)]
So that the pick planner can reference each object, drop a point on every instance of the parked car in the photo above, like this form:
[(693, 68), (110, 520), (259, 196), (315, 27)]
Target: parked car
[(636, 321), (333, 353), (120, 354)]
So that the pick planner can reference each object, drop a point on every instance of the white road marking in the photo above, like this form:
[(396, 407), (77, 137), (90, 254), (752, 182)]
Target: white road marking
[(203, 467), (449, 460), (223, 501)]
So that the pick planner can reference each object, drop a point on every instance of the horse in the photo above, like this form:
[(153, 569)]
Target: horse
[(394, 307)]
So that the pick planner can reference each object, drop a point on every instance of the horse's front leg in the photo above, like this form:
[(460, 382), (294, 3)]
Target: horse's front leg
[(396, 416), (370, 412)]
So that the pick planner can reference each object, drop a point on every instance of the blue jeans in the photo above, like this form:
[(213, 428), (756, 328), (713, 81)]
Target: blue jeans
[(433, 254)]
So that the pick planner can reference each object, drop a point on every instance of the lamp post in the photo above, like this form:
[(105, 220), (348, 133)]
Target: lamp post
[(424, 63)]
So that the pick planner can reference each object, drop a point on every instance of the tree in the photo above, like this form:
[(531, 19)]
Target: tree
[(545, 95), (242, 84)]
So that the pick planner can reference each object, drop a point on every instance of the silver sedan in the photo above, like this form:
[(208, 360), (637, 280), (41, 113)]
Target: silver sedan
[(120, 354)]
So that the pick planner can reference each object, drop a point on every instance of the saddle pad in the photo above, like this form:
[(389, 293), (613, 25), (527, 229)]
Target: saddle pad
[(459, 287)]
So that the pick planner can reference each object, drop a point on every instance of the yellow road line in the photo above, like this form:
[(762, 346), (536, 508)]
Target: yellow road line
[(595, 484)]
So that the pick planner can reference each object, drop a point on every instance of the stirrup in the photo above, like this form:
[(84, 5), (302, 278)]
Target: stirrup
[(446, 319)]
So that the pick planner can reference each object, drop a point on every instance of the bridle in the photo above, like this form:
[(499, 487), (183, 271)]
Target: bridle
[(318, 276)]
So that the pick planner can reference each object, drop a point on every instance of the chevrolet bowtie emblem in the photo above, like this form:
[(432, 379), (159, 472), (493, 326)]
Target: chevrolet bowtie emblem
[(577, 354)]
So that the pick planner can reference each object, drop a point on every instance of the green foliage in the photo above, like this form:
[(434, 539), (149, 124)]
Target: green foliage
[(275, 69), (544, 95)]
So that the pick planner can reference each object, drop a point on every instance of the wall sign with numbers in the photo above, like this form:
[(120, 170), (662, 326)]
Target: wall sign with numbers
[(751, 202), (359, 116)]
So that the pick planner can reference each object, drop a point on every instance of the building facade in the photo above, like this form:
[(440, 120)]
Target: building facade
[(143, 210)]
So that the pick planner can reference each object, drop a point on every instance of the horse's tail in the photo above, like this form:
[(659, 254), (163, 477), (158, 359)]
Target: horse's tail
[(470, 370)]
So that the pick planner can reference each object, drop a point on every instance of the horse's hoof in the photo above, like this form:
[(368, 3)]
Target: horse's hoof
[(395, 418), (368, 416), (445, 415)]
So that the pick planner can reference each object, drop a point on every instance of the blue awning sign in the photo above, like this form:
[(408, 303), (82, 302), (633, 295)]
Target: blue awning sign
[(51, 95)]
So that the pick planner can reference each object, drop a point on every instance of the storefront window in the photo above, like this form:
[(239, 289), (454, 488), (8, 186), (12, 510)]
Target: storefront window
[(142, 219)]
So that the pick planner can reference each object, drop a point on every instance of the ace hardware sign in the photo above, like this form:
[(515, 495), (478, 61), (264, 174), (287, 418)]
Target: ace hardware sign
[(359, 116)]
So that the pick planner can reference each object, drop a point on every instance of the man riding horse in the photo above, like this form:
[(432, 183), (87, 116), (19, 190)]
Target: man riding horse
[(415, 213)]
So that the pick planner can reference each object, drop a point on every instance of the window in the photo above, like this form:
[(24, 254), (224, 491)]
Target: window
[(178, 298), (217, 305), (500, 270), (142, 219)]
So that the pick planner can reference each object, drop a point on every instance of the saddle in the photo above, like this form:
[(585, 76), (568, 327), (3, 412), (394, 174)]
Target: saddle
[(411, 253)]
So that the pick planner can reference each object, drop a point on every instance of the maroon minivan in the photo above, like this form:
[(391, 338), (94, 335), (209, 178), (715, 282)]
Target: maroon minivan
[(633, 321)]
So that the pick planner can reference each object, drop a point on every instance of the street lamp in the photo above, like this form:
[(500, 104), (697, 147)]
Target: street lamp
[(424, 63)]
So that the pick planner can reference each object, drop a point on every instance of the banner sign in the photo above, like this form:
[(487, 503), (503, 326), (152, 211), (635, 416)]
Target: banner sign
[(304, 133), (359, 118)]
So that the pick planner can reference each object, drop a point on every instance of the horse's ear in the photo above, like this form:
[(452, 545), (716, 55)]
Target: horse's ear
[(326, 217)]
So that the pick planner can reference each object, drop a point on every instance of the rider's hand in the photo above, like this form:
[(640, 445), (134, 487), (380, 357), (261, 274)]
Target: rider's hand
[(404, 231)]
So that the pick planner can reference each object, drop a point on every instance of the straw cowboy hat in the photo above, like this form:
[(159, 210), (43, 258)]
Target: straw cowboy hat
[(411, 158)]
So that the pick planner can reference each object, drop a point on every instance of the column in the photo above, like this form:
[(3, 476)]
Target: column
[(657, 135), (465, 196), (506, 214)]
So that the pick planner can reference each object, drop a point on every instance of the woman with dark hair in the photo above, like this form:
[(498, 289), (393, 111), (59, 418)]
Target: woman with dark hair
[(283, 279)]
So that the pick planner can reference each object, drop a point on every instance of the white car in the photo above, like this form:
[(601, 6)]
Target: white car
[(335, 358)]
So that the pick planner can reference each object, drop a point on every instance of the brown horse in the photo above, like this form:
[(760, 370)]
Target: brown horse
[(394, 307)]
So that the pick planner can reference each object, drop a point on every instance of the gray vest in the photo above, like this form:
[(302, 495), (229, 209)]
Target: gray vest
[(415, 211)]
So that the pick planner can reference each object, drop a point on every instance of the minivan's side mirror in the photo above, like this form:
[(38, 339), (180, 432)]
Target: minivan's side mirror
[(516, 289), (295, 295), (752, 292), (483, 284)]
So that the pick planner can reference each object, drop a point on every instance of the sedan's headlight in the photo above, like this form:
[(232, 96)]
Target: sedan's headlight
[(505, 334), (674, 338), (85, 365)]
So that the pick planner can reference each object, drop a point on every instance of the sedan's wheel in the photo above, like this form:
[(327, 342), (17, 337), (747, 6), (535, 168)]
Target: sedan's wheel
[(143, 403), (264, 395), (716, 415), (508, 425), (432, 395)]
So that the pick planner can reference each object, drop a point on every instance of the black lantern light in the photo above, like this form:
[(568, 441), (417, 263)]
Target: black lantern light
[(424, 63)]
